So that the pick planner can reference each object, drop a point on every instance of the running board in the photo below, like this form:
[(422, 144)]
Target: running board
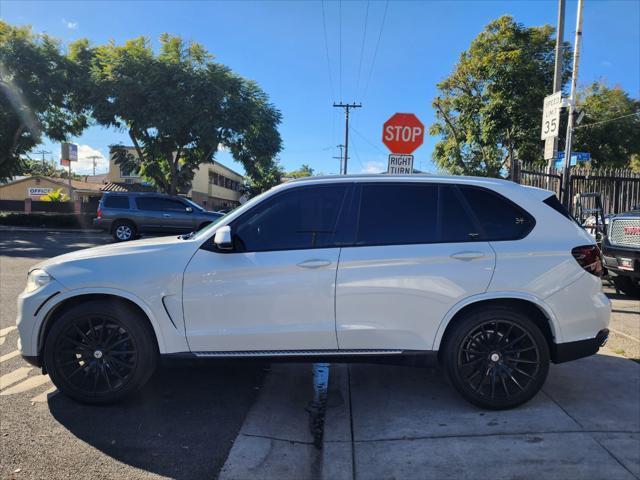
[(294, 353)]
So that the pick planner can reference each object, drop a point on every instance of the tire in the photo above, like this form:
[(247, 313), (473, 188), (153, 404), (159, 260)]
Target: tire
[(100, 351), (496, 358), (627, 286), (124, 231)]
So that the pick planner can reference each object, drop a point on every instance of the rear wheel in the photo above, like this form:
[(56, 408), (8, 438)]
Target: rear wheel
[(100, 351), (627, 286), (496, 358), (123, 231)]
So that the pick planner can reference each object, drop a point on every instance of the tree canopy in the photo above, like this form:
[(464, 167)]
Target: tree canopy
[(179, 107), (304, 171), (488, 109), (39, 95), (610, 129)]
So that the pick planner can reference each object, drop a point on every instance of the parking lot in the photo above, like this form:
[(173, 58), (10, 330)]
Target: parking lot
[(294, 421)]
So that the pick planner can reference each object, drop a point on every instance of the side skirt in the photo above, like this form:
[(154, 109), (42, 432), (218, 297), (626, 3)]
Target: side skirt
[(395, 357)]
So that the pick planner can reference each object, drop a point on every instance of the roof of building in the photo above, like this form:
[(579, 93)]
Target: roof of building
[(126, 187), (63, 182)]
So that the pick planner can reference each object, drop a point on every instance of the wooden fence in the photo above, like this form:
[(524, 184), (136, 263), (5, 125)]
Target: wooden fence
[(618, 188)]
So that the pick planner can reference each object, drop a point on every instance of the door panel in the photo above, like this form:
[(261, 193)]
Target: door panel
[(395, 296), (278, 300)]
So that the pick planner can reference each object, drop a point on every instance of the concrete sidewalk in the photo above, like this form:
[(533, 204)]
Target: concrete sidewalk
[(405, 422)]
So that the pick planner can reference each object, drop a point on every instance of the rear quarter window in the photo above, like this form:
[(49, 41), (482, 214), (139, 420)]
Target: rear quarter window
[(498, 217), (116, 201)]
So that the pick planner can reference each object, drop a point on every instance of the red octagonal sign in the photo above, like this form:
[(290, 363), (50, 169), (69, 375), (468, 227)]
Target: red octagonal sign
[(403, 133)]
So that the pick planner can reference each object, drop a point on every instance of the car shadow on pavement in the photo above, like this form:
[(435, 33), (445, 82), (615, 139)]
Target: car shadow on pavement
[(180, 425)]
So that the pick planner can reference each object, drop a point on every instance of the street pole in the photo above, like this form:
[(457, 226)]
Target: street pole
[(93, 158), (340, 158), (347, 107), (557, 72), (572, 100), (43, 152)]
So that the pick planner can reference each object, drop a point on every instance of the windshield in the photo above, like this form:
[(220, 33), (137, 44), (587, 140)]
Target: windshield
[(194, 205)]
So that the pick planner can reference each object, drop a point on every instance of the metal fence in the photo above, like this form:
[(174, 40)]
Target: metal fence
[(618, 188)]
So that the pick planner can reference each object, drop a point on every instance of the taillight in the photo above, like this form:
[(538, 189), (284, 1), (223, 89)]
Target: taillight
[(588, 256), (99, 213)]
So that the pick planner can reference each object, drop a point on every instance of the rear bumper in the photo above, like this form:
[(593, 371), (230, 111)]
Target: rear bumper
[(565, 352)]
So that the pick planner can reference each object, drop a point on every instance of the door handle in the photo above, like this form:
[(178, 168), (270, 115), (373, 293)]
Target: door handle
[(466, 256), (314, 263)]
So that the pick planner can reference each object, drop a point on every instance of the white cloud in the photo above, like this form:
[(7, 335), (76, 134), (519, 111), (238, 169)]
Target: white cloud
[(84, 165), (373, 167), (70, 25)]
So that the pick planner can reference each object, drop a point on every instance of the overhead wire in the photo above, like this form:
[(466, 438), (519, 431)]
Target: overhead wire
[(326, 48), (375, 52), (364, 38), (340, 35)]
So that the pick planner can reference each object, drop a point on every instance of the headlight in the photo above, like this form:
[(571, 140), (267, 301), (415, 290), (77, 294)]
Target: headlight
[(37, 278)]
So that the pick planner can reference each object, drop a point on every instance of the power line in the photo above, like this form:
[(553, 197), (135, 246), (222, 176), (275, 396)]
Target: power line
[(326, 48), (364, 37), (340, 56), (375, 52), (606, 121), (368, 141)]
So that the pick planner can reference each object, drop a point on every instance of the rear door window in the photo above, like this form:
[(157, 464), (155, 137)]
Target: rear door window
[(398, 213), (456, 220), (116, 201), (498, 217), (160, 204)]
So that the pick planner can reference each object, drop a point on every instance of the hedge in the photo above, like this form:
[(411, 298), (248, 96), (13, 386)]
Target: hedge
[(47, 220)]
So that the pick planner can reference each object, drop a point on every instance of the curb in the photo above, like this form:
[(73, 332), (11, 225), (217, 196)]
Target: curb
[(9, 228)]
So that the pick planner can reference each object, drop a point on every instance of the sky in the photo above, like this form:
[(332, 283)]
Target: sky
[(387, 55)]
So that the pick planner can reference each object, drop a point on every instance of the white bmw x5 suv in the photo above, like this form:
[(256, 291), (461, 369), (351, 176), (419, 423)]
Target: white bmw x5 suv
[(493, 279)]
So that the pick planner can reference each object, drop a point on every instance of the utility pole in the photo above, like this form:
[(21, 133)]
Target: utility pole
[(93, 158), (43, 153), (347, 107), (557, 72), (340, 157), (572, 100)]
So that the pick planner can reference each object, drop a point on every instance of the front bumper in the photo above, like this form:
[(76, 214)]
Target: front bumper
[(612, 256), (565, 352), (32, 310)]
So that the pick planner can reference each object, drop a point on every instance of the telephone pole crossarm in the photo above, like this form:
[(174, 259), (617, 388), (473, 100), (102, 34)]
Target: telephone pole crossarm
[(347, 107)]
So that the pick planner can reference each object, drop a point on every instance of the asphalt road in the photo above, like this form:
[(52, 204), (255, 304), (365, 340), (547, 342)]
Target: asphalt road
[(181, 425)]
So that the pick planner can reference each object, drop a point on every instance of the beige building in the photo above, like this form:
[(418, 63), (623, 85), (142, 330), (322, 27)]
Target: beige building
[(214, 186), (36, 186)]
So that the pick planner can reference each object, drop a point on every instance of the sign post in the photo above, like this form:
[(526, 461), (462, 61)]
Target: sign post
[(68, 154), (403, 133)]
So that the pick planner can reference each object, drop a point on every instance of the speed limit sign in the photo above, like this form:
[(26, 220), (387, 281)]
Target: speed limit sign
[(551, 116)]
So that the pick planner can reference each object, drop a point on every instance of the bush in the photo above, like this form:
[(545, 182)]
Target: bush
[(47, 220)]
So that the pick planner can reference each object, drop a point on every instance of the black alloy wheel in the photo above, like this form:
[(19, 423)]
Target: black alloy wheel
[(99, 357), (497, 359)]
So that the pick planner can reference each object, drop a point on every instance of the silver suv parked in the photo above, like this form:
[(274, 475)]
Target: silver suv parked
[(126, 215)]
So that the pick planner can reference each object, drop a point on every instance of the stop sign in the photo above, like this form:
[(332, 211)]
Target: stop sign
[(403, 133)]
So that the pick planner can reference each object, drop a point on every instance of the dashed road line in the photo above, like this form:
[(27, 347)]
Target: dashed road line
[(28, 384), (631, 337), (13, 377), (7, 330), (2, 339), (44, 396), (9, 356)]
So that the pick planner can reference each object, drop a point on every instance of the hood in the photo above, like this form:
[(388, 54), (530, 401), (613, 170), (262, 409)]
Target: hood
[(129, 264)]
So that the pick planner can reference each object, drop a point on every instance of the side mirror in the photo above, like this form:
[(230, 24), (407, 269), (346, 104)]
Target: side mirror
[(189, 209), (222, 238)]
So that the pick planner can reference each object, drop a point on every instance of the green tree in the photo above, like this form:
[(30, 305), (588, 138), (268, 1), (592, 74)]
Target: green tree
[(262, 178), (37, 95), (488, 110), (37, 167), (611, 143), (304, 171), (178, 107)]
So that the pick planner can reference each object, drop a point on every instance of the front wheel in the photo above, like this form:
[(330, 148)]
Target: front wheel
[(628, 286), (100, 351), (496, 358)]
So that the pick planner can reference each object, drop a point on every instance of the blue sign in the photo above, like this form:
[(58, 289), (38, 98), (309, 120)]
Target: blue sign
[(575, 158)]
